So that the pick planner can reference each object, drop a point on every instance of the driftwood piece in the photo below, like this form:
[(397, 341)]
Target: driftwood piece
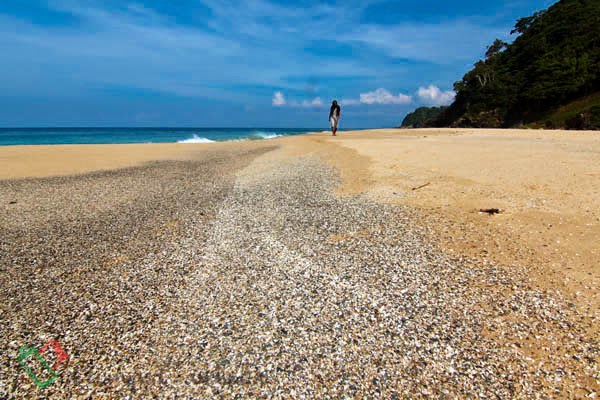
[(422, 186), (490, 211)]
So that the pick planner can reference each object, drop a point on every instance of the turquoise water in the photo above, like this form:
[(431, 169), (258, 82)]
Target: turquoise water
[(28, 136)]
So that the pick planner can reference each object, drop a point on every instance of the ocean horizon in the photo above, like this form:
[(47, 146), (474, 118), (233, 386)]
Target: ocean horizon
[(50, 136)]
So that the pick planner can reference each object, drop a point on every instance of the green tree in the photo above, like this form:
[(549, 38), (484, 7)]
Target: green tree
[(554, 60)]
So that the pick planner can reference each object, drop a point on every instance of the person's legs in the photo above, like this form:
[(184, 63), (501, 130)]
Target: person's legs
[(333, 122)]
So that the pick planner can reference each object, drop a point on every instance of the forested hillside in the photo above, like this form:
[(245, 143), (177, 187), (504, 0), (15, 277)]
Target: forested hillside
[(553, 63), (422, 117)]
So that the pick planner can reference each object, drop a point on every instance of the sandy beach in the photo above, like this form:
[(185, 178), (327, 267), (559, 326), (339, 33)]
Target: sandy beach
[(306, 266), (545, 183)]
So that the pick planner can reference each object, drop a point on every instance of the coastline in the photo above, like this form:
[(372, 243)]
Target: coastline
[(187, 203)]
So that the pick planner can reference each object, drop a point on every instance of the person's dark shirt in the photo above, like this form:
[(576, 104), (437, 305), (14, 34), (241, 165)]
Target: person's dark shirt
[(335, 108)]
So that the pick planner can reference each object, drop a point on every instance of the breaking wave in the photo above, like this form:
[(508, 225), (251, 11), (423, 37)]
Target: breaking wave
[(195, 139), (265, 135)]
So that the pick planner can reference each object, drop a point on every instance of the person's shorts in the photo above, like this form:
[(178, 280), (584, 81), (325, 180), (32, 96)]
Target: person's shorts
[(334, 122)]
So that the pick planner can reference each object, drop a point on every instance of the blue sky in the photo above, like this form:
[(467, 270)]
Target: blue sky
[(249, 63)]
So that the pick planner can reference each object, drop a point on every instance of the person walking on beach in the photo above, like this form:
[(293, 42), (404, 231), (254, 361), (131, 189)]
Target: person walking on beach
[(335, 113)]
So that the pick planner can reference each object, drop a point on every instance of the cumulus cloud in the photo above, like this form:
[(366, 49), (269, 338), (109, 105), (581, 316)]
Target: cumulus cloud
[(278, 100), (316, 102), (432, 95), (382, 96)]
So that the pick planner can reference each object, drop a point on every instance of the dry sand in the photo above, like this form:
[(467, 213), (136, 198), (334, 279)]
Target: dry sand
[(60, 160), (547, 184)]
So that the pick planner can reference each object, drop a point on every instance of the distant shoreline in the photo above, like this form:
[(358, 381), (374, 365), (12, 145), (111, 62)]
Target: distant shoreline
[(116, 135), (43, 160)]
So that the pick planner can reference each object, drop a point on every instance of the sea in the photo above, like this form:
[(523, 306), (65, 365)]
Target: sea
[(45, 136)]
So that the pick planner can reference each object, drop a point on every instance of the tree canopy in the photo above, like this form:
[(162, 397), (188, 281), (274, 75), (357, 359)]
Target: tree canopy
[(554, 60), (422, 117)]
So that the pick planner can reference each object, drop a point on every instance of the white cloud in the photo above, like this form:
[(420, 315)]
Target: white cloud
[(316, 102), (432, 95), (382, 96), (278, 100)]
